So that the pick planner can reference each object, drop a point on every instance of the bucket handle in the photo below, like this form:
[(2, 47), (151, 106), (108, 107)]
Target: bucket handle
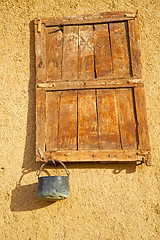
[(53, 160)]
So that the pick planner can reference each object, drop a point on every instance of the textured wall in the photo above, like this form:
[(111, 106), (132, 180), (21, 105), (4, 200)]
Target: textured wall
[(107, 201)]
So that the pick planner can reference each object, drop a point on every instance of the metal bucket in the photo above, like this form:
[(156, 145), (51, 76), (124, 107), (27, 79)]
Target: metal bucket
[(52, 188)]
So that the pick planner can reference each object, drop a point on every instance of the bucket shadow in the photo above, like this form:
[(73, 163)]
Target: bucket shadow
[(24, 198)]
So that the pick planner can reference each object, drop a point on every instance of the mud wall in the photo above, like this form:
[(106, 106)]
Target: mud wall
[(107, 201)]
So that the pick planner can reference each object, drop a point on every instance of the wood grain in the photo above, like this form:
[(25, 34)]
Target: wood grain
[(40, 120), (120, 49), (87, 120), (108, 120), (104, 156), (134, 40), (52, 109), (54, 53), (103, 63), (127, 121), (40, 51), (144, 142), (67, 138), (89, 19), (86, 52), (70, 53)]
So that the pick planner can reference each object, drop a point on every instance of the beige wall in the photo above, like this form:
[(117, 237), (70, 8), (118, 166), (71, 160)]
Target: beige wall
[(107, 201)]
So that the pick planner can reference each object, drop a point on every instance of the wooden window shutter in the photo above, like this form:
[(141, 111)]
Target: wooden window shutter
[(90, 103)]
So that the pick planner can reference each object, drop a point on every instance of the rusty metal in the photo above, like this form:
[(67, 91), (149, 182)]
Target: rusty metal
[(52, 188)]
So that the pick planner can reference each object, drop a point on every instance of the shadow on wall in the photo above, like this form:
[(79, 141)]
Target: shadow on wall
[(24, 198)]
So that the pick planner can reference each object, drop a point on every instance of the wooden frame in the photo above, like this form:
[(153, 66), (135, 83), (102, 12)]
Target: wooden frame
[(127, 84)]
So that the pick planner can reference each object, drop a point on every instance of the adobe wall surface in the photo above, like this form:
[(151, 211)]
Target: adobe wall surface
[(120, 202)]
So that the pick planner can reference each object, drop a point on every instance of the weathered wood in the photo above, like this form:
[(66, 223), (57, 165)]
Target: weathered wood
[(89, 84), (134, 40), (40, 120), (103, 63), (40, 51), (86, 52), (54, 53), (126, 116), (108, 120), (70, 53), (95, 156), (87, 120), (89, 19), (67, 137), (143, 135), (120, 49), (52, 109)]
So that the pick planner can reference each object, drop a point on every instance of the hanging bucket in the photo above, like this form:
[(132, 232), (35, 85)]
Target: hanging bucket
[(52, 188)]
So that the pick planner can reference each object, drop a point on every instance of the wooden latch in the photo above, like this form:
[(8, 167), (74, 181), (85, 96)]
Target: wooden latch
[(39, 25), (130, 15), (135, 81)]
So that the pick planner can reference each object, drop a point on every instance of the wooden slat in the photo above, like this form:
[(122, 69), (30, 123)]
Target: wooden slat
[(52, 109), (89, 19), (40, 50), (120, 49), (70, 53), (86, 52), (53, 53), (108, 120), (103, 63), (95, 156), (80, 84), (40, 120), (127, 121), (67, 138), (134, 40), (87, 120), (144, 142)]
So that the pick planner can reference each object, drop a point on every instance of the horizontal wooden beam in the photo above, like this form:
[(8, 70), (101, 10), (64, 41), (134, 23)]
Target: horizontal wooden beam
[(105, 156), (91, 84), (88, 19)]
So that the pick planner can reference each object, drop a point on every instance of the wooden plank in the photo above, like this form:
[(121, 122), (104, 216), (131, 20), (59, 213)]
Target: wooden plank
[(80, 84), (86, 52), (52, 109), (40, 120), (108, 120), (144, 142), (54, 53), (40, 51), (120, 49), (103, 62), (87, 120), (70, 53), (134, 40), (67, 138), (89, 19), (106, 156), (126, 116)]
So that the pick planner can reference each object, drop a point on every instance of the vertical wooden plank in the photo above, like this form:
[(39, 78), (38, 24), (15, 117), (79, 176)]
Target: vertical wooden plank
[(54, 53), (127, 121), (40, 51), (67, 138), (40, 120), (70, 53), (52, 109), (86, 52), (109, 137), (120, 49), (144, 142), (134, 40), (103, 62), (87, 120)]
